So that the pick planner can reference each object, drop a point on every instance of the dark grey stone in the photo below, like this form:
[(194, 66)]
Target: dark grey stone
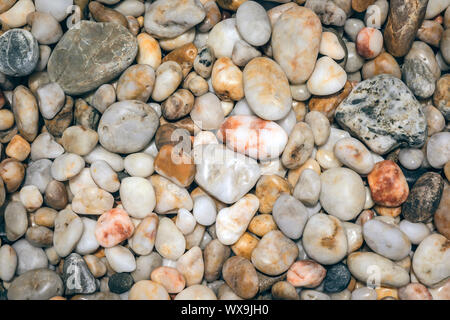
[(120, 282), (383, 113), (91, 55), (77, 277), (337, 279), (19, 53)]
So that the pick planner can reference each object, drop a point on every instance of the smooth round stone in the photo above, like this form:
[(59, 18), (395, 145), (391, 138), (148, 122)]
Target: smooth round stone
[(79, 140), (103, 97), (66, 166), (383, 63), (170, 278), (148, 290), (127, 126), (313, 295), (120, 259), (99, 153), (88, 242), (414, 291), (57, 10), (299, 147), (327, 78), (234, 173), (243, 53), (40, 284), (16, 220), (352, 153), (31, 198), (29, 257), (266, 89), (139, 165), (411, 159), (369, 42), (67, 233), (19, 53), (136, 83), (37, 174), (169, 19), (306, 273), (26, 112), (352, 27), (120, 282), (138, 196), (93, 201), (185, 221), (144, 236), (320, 126), (342, 193), (424, 198), (169, 196), (290, 216), (295, 43), (51, 99), (324, 239), (222, 38), (369, 267), (259, 139), (8, 262), (441, 97), (170, 242), (442, 215), (431, 260), (232, 221), (72, 59), (191, 266), (12, 173), (215, 254), (168, 77), (81, 181), (337, 279), (104, 176), (274, 253), (45, 147), (388, 184), (332, 46), (226, 80), (438, 149), (145, 265), (268, 189), (435, 120), (240, 275), (204, 210), (307, 189), (354, 236), (364, 293), (386, 240), (283, 290), (196, 292), (253, 23), (113, 227), (207, 112), (415, 232), (39, 236)]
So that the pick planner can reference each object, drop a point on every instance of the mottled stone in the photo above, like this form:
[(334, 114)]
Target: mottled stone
[(383, 113), (19, 53), (77, 277), (101, 50)]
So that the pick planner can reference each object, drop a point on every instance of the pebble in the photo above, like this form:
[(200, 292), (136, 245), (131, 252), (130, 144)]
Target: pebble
[(364, 293), (144, 236), (26, 113), (329, 12), (441, 216), (68, 231), (56, 195), (29, 257), (313, 295), (441, 97), (387, 184), (274, 253), (169, 196), (231, 222), (88, 242), (368, 267), (410, 158), (290, 214), (16, 220), (342, 193), (148, 290), (253, 23), (384, 63), (352, 153), (12, 173), (196, 292), (424, 198), (306, 273), (169, 19), (299, 146), (268, 189), (76, 276), (113, 227), (431, 260), (283, 290), (170, 242), (353, 115), (222, 38), (414, 291), (145, 265), (79, 44), (169, 278), (296, 51), (438, 149), (324, 239), (386, 240), (207, 112), (45, 147), (404, 19), (20, 50), (354, 236), (192, 266), (120, 259), (241, 276), (120, 282), (138, 196), (136, 83), (66, 166), (337, 278), (8, 262), (40, 284)]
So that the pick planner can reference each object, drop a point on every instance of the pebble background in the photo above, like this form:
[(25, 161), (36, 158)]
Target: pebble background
[(225, 149)]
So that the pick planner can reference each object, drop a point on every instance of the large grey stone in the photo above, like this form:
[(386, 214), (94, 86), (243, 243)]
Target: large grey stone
[(383, 113), (40, 284), (91, 55), (19, 53)]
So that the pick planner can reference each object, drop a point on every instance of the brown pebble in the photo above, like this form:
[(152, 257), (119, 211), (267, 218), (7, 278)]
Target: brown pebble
[(262, 224), (55, 195), (268, 189), (387, 211), (104, 14), (178, 105), (175, 165), (245, 245), (12, 172), (18, 148), (184, 56), (283, 290), (442, 214), (240, 275), (328, 104)]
